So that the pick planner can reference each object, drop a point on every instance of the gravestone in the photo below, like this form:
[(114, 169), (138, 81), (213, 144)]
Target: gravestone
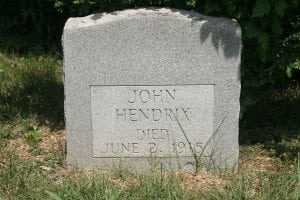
[(152, 87)]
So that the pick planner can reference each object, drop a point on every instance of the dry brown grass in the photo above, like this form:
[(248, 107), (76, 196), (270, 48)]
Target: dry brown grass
[(251, 163)]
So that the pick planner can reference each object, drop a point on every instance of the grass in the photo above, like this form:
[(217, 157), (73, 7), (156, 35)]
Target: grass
[(31, 86), (40, 178), (32, 146), (274, 121)]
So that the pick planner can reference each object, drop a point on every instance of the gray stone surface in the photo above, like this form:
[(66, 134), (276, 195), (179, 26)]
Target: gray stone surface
[(141, 121), (151, 86)]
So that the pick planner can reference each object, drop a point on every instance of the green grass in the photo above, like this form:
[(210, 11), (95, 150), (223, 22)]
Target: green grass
[(21, 179), (31, 86), (31, 100)]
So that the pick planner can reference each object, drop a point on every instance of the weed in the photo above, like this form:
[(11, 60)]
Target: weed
[(200, 159), (33, 135), (19, 179)]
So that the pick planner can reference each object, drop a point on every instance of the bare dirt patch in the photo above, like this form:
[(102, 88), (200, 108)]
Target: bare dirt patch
[(51, 148), (202, 181)]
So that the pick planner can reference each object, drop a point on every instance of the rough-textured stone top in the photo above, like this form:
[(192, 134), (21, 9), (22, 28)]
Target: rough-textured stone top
[(101, 18)]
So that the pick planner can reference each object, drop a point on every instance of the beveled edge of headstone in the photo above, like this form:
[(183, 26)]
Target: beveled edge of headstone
[(105, 17)]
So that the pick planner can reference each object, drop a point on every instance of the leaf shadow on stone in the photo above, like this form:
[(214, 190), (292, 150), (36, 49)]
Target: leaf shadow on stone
[(218, 29), (227, 40), (223, 36), (97, 16)]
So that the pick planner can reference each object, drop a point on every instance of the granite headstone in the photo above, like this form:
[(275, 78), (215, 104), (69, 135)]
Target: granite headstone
[(152, 87)]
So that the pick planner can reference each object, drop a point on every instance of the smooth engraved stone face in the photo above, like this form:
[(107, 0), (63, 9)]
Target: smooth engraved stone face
[(145, 121)]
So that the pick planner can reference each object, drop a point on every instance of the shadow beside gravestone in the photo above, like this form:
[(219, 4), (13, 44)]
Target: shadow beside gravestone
[(274, 121)]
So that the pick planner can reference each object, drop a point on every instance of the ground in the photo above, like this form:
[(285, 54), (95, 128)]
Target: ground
[(259, 170), (32, 146)]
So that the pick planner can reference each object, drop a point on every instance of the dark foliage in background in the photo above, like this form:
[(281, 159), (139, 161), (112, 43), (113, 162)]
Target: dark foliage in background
[(271, 30), (30, 25)]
